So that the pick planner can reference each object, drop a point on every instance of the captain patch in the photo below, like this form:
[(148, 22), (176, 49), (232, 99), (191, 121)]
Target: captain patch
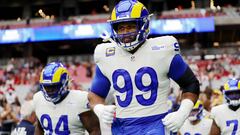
[(110, 51)]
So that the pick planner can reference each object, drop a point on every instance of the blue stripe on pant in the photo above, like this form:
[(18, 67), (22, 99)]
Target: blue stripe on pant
[(151, 125)]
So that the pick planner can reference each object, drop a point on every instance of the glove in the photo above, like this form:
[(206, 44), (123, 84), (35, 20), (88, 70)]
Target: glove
[(173, 121), (105, 113)]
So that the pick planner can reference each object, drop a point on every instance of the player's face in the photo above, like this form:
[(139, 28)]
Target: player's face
[(51, 90), (233, 95), (127, 28)]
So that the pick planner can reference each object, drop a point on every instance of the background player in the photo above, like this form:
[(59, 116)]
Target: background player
[(226, 116), (59, 110), (196, 124), (138, 70)]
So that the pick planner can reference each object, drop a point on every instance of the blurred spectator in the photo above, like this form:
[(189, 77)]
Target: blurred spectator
[(26, 126), (8, 117), (11, 96), (29, 96)]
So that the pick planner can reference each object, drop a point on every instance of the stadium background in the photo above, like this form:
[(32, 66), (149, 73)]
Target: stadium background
[(29, 38)]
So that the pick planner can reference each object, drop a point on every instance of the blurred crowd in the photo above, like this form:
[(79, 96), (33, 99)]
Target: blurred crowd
[(212, 74)]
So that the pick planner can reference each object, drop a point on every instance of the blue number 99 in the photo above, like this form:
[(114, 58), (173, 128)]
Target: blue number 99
[(153, 86), (128, 87)]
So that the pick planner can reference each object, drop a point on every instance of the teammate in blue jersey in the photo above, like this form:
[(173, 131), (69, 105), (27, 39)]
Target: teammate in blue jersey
[(138, 71), (61, 111)]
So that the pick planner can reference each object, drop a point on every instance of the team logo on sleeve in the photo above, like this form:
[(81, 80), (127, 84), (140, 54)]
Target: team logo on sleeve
[(110, 51), (176, 47)]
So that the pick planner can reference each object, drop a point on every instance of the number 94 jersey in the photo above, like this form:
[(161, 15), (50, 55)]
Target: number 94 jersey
[(140, 81), (61, 118), (226, 119)]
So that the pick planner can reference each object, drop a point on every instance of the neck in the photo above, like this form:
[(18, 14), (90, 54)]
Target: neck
[(135, 49), (62, 98), (195, 122)]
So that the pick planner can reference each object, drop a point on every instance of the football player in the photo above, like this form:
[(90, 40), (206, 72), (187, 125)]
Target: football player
[(59, 110), (227, 116), (196, 124), (138, 70)]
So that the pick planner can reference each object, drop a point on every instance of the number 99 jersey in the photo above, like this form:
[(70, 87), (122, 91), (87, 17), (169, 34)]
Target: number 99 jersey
[(140, 81), (226, 119), (61, 118)]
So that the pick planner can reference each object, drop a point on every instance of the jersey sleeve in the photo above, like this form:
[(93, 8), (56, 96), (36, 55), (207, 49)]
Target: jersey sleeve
[(100, 84), (177, 67), (98, 53), (213, 116), (179, 71), (36, 97), (172, 45), (82, 97)]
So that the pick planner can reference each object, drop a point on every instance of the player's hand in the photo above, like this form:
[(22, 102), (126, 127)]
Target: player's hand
[(173, 121), (105, 113)]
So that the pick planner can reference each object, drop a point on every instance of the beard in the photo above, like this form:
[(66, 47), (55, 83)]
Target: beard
[(128, 37)]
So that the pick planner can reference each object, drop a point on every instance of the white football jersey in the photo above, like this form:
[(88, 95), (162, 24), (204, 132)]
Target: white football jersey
[(64, 116), (139, 81), (201, 128), (226, 119)]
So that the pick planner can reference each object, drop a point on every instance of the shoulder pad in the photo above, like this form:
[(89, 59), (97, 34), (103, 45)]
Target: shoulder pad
[(167, 43), (37, 95), (103, 50), (79, 94), (215, 110), (81, 97), (36, 98)]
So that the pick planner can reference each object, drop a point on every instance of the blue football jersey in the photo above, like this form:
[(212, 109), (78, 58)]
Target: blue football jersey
[(24, 128)]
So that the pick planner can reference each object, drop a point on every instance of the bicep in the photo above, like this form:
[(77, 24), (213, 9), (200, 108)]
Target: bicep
[(215, 130), (38, 129), (90, 122)]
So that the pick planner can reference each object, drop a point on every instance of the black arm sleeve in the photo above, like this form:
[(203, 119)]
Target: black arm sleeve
[(188, 82)]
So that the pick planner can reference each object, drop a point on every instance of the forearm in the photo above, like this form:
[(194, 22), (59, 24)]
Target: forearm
[(215, 130), (90, 122), (13, 116), (192, 96), (95, 132), (95, 99), (4, 114), (38, 129)]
